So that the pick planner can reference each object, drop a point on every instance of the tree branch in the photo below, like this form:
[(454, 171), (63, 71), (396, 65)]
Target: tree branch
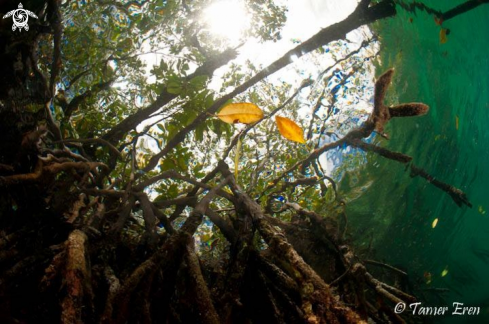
[(56, 24), (130, 122), (336, 31)]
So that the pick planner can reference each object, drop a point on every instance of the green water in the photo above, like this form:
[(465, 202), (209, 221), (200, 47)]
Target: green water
[(397, 211)]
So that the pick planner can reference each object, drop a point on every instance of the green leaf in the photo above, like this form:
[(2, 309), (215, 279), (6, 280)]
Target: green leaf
[(174, 87), (198, 82), (209, 100), (198, 170), (199, 133), (182, 163)]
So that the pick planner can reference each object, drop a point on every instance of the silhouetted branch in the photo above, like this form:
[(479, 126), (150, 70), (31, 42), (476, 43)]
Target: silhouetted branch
[(442, 16), (207, 69), (111, 147), (457, 195), (57, 26), (387, 266), (76, 101), (400, 157)]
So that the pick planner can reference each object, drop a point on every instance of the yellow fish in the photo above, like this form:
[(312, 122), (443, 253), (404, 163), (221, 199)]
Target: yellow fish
[(443, 35), (444, 272), (435, 222)]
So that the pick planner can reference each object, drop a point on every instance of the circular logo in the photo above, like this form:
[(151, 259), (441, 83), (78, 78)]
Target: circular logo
[(20, 17)]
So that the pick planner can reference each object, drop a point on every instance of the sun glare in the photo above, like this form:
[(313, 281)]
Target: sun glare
[(227, 19)]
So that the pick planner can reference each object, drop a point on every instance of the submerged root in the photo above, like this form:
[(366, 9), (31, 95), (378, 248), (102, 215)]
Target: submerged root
[(196, 281), (408, 110), (114, 286), (53, 270), (76, 279)]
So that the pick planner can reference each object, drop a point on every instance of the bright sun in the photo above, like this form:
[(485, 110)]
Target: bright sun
[(227, 19)]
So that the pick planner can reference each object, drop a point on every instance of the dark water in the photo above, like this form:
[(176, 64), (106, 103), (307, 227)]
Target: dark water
[(397, 211)]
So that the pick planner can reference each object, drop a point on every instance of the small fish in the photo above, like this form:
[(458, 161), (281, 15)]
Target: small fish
[(435, 222), (411, 20), (481, 210), (443, 35), (427, 277), (444, 272)]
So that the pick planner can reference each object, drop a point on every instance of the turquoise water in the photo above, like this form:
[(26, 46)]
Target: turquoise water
[(396, 211)]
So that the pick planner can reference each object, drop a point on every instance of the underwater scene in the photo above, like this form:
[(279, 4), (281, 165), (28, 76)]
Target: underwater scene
[(416, 226), (244, 161)]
